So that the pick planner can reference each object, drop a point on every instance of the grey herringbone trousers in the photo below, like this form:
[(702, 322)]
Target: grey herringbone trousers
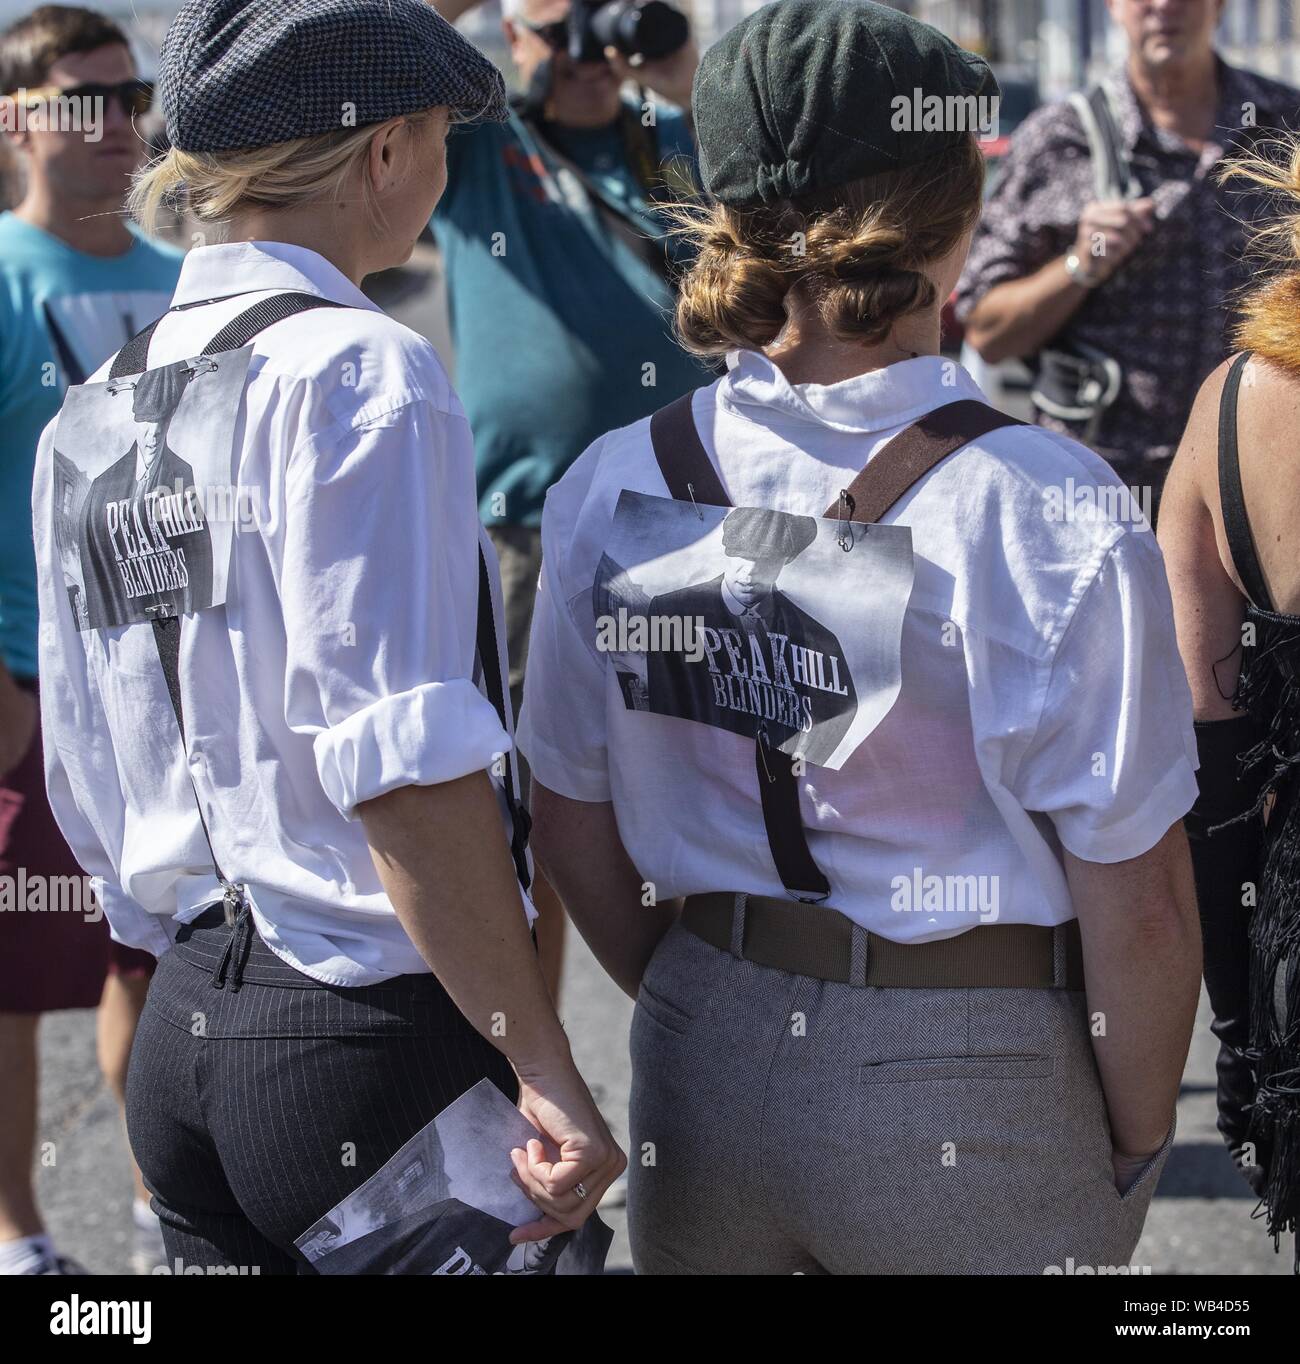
[(782, 1124)]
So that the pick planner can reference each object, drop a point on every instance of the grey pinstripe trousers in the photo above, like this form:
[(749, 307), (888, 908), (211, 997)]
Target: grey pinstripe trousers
[(254, 1106), (781, 1125)]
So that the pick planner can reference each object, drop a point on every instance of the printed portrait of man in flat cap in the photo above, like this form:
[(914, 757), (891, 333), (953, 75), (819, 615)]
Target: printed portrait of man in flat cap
[(144, 536), (764, 659)]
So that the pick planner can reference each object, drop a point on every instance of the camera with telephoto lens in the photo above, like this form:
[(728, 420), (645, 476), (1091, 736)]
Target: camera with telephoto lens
[(649, 29)]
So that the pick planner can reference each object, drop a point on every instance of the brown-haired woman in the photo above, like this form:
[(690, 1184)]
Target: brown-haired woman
[(1228, 531), (838, 782)]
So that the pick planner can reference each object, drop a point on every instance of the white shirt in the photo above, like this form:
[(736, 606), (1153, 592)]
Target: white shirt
[(1043, 701), (341, 667)]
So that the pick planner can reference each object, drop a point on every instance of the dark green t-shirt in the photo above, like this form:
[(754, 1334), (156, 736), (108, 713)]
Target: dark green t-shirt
[(561, 331)]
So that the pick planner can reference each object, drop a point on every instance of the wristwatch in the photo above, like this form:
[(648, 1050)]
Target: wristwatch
[(1079, 272)]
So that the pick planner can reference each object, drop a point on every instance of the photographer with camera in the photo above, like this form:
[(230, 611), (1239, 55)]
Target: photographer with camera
[(559, 268)]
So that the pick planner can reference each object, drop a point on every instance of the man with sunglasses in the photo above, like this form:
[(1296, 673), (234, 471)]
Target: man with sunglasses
[(76, 281), (558, 267)]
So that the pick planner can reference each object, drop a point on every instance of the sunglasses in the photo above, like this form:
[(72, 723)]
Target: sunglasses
[(134, 96)]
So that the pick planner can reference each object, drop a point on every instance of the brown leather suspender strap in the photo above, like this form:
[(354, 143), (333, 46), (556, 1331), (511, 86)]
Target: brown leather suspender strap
[(915, 451), (907, 458), (686, 467)]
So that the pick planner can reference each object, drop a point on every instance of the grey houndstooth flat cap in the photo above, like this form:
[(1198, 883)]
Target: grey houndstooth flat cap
[(238, 74)]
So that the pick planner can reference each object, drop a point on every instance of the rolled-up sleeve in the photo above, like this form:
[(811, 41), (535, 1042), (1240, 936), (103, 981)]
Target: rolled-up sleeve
[(1113, 758), (379, 587)]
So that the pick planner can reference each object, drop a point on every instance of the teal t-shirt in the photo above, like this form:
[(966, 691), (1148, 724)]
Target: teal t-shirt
[(561, 332), (62, 314)]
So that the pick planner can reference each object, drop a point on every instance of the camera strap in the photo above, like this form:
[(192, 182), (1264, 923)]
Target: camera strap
[(898, 466), (636, 231), (1074, 382)]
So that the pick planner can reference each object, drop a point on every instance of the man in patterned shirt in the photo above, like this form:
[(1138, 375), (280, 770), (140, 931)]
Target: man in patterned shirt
[(1145, 280)]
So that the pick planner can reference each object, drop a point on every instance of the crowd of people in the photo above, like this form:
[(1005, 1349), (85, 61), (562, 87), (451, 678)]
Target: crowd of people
[(956, 750)]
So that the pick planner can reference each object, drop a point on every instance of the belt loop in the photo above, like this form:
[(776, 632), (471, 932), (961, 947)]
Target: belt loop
[(1060, 957), (859, 956), (737, 947)]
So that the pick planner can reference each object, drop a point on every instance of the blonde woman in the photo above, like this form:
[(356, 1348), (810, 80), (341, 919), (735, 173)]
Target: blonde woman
[(888, 844), (1228, 531), (329, 778)]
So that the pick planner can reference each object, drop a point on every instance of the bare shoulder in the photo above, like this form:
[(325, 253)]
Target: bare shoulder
[(1268, 408), (1268, 450)]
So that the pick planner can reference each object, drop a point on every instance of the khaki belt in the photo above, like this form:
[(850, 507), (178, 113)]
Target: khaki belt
[(812, 940)]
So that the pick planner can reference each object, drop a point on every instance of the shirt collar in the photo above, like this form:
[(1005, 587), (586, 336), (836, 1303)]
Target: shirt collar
[(259, 267), (756, 389)]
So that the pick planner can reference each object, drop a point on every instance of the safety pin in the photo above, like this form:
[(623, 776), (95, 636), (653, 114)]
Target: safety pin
[(690, 488), (204, 364), (845, 504)]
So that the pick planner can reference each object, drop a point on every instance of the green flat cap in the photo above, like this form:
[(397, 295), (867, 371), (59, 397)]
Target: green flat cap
[(804, 95)]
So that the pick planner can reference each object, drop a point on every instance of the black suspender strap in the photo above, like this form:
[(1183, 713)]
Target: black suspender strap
[(907, 458), (134, 356), (264, 313), (490, 661), (167, 640), (1236, 524)]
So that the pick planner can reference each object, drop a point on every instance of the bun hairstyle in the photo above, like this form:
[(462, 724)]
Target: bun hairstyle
[(856, 253), (1269, 321)]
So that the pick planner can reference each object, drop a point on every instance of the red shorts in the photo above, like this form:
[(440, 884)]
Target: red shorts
[(57, 957)]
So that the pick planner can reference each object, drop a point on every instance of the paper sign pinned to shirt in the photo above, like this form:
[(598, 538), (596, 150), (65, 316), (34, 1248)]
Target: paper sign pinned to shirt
[(751, 619), (145, 494)]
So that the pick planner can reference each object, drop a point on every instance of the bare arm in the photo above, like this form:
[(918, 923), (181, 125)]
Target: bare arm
[(1208, 606), (578, 845), (444, 862), (1020, 316), (1142, 963), (1209, 611)]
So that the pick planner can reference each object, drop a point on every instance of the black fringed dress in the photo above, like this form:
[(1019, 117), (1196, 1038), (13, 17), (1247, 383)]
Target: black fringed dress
[(1268, 689)]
